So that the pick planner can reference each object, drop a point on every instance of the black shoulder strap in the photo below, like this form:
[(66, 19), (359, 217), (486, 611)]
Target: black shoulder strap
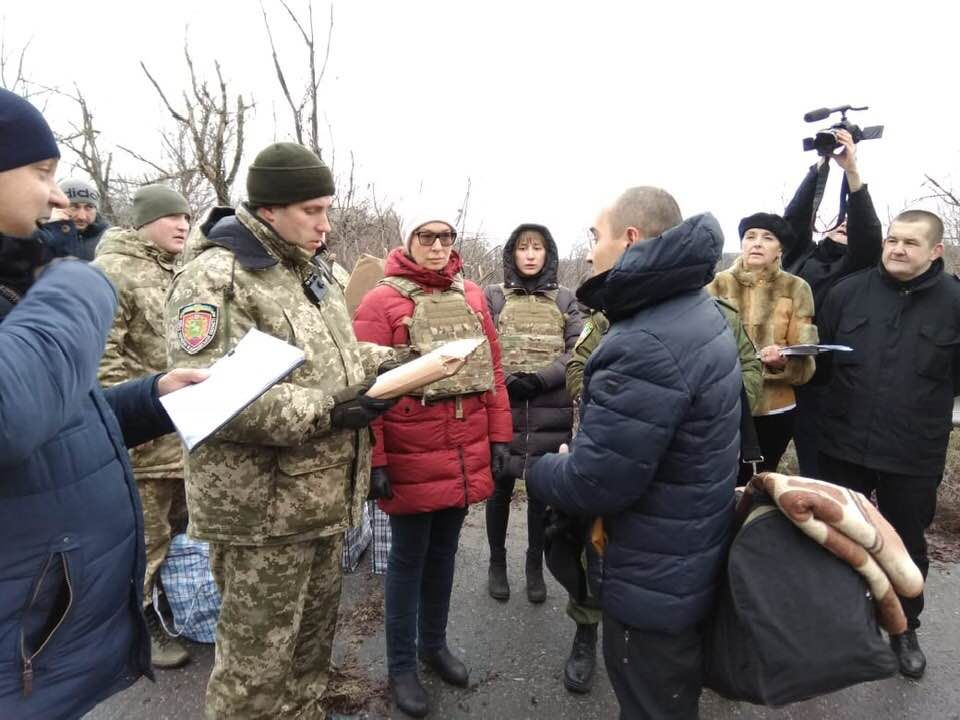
[(749, 444)]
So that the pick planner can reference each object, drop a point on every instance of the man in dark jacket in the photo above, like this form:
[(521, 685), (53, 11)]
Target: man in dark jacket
[(76, 230), (851, 246), (71, 535), (887, 412), (656, 454)]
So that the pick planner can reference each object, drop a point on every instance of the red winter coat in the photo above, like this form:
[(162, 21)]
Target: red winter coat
[(435, 460)]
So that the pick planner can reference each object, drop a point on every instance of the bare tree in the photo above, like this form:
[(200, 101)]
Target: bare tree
[(305, 108), (214, 125), (949, 205), (83, 140), (574, 268), (12, 75)]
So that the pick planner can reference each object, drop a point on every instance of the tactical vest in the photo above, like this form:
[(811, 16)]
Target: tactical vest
[(531, 331), (438, 318)]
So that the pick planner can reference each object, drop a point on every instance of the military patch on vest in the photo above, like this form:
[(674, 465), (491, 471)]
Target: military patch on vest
[(196, 326)]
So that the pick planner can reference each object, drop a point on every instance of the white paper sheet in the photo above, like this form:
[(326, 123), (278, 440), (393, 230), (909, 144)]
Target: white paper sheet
[(812, 349), (257, 363)]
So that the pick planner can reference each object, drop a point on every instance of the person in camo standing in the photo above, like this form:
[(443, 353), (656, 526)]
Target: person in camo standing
[(275, 488), (140, 262), (538, 323)]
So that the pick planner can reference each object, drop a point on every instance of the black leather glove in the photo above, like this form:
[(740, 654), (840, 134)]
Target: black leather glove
[(387, 366), (524, 385), (380, 484), (499, 454), (354, 410)]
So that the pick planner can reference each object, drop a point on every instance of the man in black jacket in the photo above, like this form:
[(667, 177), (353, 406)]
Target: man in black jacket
[(854, 244), (887, 413)]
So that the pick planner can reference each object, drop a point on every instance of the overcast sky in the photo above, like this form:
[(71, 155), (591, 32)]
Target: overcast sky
[(550, 108)]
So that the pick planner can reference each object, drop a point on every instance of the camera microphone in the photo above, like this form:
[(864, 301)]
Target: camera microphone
[(818, 114)]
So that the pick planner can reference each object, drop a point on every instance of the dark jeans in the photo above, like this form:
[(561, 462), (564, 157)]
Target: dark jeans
[(806, 430), (655, 676), (498, 515), (908, 502), (773, 434), (423, 554)]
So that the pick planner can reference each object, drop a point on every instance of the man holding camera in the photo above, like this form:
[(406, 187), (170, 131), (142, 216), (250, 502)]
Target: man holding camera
[(887, 413), (851, 245)]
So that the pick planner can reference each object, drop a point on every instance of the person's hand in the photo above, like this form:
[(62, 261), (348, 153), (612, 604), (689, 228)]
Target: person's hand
[(847, 159), (499, 455), (388, 365), (771, 357), (380, 487), (58, 214), (523, 385), (179, 378), (353, 409)]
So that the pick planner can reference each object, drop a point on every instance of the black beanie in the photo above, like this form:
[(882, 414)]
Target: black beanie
[(768, 221), (25, 137), (285, 173)]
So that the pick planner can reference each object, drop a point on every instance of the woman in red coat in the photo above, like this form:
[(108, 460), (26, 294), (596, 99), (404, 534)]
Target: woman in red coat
[(434, 453)]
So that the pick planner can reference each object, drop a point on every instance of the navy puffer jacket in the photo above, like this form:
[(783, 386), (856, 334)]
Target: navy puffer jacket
[(656, 455), (71, 528)]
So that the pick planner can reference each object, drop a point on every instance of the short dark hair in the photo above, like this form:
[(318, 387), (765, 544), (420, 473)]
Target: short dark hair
[(649, 209), (931, 220)]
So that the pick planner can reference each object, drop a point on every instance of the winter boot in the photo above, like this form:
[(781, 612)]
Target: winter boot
[(536, 588), (409, 694), (165, 652), (911, 657), (449, 667), (497, 583), (580, 667)]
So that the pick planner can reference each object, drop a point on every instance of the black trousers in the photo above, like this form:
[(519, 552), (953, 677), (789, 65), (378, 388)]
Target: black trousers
[(498, 516), (655, 676), (908, 502), (806, 430), (773, 434)]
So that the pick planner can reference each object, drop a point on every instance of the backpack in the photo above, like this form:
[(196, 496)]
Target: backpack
[(792, 621)]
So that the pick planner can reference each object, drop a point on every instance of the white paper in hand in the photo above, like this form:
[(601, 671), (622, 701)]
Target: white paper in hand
[(257, 363)]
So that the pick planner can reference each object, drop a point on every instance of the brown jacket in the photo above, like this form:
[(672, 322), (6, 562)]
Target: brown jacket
[(776, 308)]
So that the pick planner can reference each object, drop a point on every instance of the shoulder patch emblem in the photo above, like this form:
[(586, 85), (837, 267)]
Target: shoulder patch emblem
[(196, 326)]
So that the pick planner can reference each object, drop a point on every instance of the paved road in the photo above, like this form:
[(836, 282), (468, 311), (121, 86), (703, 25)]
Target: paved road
[(516, 653)]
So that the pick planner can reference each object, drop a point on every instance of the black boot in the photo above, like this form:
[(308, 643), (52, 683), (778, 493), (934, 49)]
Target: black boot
[(497, 583), (911, 657), (536, 588), (578, 672), (409, 695), (447, 666)]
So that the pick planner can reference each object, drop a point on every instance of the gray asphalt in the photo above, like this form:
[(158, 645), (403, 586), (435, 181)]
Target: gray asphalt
[(516, 653)]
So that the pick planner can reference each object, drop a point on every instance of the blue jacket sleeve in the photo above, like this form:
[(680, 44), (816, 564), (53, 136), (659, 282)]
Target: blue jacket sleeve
[(138, 410), (50, 347), (632, 407)]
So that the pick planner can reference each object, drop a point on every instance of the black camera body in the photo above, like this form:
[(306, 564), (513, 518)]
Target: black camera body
[(825, 141)]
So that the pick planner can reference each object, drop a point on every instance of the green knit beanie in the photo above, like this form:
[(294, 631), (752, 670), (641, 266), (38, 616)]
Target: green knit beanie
[(285, 173), (156, 201)]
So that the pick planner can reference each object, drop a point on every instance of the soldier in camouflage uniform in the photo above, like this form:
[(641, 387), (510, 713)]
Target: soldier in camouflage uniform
[(139, 262), (275, 488)]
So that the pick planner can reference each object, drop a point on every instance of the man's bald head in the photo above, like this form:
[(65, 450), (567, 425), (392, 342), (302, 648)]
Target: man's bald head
[(651, 210)]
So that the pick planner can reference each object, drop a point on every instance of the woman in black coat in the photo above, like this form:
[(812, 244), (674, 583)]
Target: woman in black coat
[(538, 323)]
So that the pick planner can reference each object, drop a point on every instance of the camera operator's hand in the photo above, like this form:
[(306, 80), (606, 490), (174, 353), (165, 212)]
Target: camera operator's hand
[(847, 159)]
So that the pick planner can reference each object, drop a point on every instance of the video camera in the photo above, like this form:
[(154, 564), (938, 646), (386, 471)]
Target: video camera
[(825, 141)]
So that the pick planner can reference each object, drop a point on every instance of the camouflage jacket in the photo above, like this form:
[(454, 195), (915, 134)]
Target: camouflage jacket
[(595, 328), (136, 346), (277, 472)]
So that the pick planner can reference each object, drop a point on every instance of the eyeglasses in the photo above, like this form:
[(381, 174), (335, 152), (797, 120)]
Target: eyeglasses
[(427, 237)]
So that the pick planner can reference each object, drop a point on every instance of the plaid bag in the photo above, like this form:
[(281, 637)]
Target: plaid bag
[(381, 539), (355, 542), (190, 590)]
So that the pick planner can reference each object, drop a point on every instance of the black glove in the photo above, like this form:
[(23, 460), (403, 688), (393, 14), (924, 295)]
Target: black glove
[(499, 454), (353, 410), (523, 385), (387, 366), (380, 484)]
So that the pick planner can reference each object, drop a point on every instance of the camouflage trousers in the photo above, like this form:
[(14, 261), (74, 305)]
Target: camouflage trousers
[(163, 503), (275, 634)]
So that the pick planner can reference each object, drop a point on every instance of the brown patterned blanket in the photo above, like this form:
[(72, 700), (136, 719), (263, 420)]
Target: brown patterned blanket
[(848, 525)]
